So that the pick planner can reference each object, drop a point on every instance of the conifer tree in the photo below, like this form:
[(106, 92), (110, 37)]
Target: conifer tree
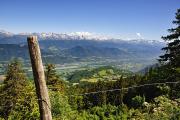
[(17, 95), (53, 79), (51, 75), (14, 84), (172, 55)]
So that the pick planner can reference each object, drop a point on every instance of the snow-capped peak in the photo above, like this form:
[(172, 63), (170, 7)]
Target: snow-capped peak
[(6, 32), (69, 36), (80, 36)]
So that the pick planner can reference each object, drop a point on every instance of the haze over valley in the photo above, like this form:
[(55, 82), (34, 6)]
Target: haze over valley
[(83, 50)]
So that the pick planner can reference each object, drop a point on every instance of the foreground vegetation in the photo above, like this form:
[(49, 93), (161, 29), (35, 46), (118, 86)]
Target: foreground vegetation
[(124, 101), (18, 98)]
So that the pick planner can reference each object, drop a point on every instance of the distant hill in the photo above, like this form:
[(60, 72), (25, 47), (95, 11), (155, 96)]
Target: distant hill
[(136, 48), (147, 68), (91, 51), (8, 51), (93, 75)]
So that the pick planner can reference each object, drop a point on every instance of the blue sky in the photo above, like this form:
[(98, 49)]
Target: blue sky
[(148, 19)]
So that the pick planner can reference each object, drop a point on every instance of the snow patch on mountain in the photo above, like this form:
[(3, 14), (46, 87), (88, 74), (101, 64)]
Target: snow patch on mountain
[(5, 33), (77, 36)]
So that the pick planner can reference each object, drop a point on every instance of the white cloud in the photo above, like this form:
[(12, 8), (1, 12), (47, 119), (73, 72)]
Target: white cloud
[(82, 33), (139, 35), (89, 35)]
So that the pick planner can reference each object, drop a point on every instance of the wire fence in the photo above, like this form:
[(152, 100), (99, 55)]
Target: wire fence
[(120, 89)]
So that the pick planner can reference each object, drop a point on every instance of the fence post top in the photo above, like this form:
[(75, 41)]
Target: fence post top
[(32, 37)]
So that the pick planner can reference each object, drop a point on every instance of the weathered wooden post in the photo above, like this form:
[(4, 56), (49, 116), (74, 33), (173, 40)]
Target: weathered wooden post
[(39, 78)]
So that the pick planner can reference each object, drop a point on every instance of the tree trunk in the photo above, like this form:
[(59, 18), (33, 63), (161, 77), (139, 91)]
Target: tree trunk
[(39, 78)]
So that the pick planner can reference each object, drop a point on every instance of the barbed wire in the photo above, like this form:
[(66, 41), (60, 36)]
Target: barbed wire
[(111, 90), (132, 87)]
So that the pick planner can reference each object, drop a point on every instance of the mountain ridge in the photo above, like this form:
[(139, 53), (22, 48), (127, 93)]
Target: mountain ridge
[(8, 36)]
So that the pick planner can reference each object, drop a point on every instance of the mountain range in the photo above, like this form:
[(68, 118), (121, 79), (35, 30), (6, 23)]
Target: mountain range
[(64, 47)]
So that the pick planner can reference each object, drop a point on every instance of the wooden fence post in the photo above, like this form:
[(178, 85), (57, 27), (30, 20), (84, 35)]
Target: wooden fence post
[(39, 78)]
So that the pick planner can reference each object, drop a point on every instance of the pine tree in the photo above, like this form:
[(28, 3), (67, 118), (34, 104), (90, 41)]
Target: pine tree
[(18, 98), (53, 80), (51, 75), (172, 55), (13, 86)]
